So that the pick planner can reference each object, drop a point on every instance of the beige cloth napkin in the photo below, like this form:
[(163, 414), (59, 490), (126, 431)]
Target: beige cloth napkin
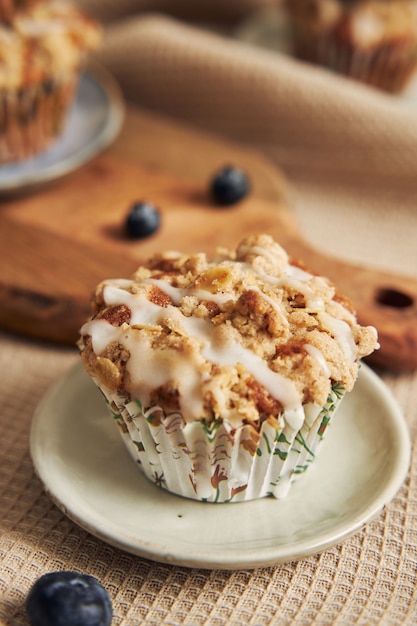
[(349, 150), (350, 154)]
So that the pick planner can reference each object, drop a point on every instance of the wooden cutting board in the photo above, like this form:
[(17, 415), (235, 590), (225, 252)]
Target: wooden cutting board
[(58, 243)]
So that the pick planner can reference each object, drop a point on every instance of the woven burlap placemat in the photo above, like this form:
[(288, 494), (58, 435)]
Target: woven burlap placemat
[(369, 579), (351, 157)]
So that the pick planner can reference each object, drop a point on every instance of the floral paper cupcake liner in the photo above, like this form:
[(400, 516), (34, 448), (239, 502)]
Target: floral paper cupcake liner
[(214, 463)]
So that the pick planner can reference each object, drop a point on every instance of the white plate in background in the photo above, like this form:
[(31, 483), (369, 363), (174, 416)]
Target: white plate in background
[(93, 123)]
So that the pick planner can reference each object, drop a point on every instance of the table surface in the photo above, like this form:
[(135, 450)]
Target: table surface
[(369, 579)]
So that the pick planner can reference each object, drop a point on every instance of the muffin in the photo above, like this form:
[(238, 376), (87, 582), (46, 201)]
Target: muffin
[(372, 41), (42, 52), (223, 375), (8, 8)]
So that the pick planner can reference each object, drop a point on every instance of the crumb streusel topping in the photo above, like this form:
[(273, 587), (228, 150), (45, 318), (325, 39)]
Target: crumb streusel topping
[(244, 337), (363, 22), (45, 42)]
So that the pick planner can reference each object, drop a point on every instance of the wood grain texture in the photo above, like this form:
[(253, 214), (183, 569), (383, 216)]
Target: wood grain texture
[(57, 244)]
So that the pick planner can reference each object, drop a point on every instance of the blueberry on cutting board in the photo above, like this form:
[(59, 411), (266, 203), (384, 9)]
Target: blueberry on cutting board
[(229, 185), (68, 599), (143, 220)]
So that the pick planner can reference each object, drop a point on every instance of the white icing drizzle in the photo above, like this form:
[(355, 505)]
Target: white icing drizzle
[(367, 28), (150, 367), (153, 366), (139, 314), (296, 272), (231, 353), (218, 298), (297, 279), (316, 354), (294, 418), (176, 293), (268, 254), (272, 302), (313, 303), (341, 332), (101, 332)]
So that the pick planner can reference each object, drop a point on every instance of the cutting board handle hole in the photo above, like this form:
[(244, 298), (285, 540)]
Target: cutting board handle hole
[(394, 298)]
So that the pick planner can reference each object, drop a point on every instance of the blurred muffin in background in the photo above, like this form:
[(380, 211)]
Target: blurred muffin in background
[(372, 41), (8, 8), (42, 53)]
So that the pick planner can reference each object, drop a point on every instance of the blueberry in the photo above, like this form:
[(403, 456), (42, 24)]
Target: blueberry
[(229, 185), (143, 220), (68, 599)]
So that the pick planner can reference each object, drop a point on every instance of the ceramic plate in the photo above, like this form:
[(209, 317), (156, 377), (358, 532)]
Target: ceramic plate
[(93, 123), (83, 464)]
